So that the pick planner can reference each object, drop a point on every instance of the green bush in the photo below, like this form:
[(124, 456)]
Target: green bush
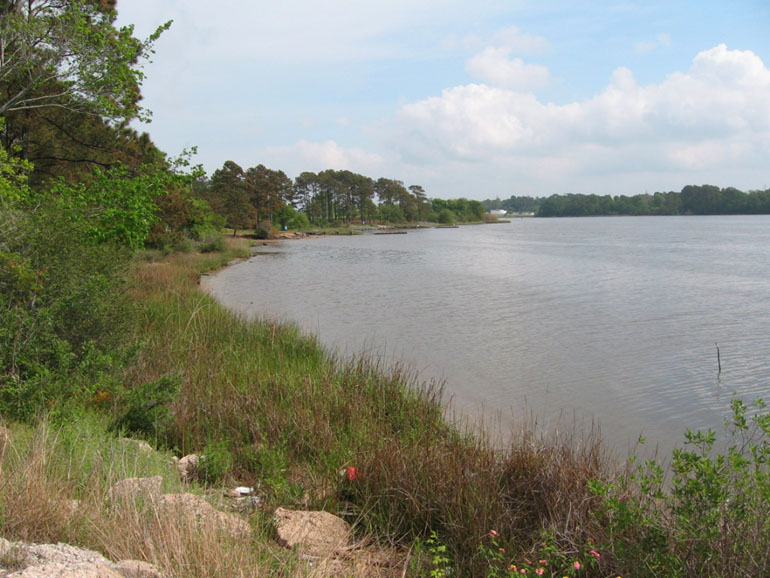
[(446, 217), (263, 232), (213, 244), (709, 515), (64, 314), (299, 222), (216, 461)]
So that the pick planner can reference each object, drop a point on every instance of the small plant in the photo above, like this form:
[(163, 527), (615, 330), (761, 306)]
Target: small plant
[(548, 560), (440, 563), (216, 461)]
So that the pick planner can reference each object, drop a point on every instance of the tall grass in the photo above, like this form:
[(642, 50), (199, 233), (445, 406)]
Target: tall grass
[(293, 415), (271, 408), (55, 483)]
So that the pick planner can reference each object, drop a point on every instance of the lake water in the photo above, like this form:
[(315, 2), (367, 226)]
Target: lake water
[(608, 321)]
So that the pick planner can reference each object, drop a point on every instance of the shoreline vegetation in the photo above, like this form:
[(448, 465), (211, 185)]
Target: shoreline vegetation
[(104, 334), (691, 200), (269, 408)]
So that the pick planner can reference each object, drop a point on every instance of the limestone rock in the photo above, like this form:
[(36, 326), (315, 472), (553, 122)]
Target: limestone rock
[(316, 533), (200, 512), (65, 561), (188, 467), (58, 570), (132, 489), (137, 569), (141, 445)]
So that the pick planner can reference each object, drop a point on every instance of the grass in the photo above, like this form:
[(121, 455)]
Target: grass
[(272, 409), (293, 415)]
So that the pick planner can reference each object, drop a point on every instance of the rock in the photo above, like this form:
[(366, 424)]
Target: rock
[(137, 569), (316, 533), (76, 570), (141, 445), (132, 489), (199, 512), (65, 561), (246, 505), (58, 561), (188, 467)]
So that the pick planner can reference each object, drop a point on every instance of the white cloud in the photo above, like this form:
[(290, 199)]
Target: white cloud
[(317, 156), (714, 117), (494, 67)]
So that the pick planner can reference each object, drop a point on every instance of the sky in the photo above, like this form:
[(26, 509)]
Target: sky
[(482, 99)]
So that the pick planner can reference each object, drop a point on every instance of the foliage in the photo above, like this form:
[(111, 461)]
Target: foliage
[(61, 309), (440, 563), (263, 232), (65, 320), (711, 519), (267, 190), (143, 408), (692, 200), (462, 209), (68, 54), (115, 206), (513, 204), (13, 178), (216, 461), (548, 559), (446, 217)]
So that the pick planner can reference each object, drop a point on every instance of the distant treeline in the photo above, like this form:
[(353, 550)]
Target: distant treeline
[(692, 200)]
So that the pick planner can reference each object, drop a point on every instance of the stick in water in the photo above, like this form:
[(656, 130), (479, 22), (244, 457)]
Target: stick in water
[(719, 361)]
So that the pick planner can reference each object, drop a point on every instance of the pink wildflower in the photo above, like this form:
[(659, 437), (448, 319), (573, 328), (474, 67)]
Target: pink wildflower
[(595, 554), (493, 534), (540, 571), (576, 565), (351, 473)]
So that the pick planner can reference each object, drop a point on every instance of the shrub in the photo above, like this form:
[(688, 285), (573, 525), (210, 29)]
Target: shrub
[(216, 461), (707, 516), (213, 244), (446, 217), (263, 232)]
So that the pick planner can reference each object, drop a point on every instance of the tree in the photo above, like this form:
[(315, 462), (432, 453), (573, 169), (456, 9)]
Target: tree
[(67, 54), (267, 190), (229, 198)]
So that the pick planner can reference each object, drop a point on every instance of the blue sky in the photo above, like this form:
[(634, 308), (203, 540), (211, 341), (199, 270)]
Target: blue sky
[(476, 99)]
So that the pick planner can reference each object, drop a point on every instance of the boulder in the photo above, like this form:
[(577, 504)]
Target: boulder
[(318, 534), (65, 561), (132, 489), (137, 569), (188, 467), (141, 445), (198, 511), (74, 570)]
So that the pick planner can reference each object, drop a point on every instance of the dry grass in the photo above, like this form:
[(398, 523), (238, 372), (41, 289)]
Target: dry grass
[(281, 413), (54, 489), (293, 415)]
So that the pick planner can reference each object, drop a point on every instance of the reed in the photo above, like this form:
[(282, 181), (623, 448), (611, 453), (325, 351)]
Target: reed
[(293, 415), (271, 408)]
